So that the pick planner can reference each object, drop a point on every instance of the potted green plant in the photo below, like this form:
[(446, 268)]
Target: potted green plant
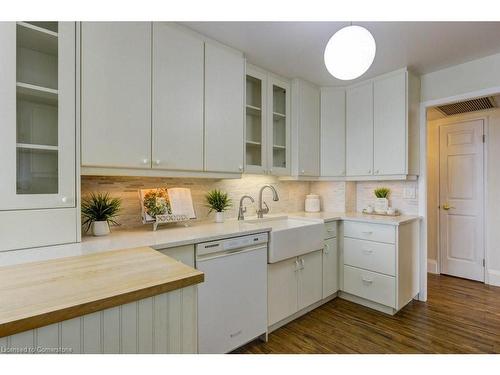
[(98, 210), (382, 201), (219, 202)]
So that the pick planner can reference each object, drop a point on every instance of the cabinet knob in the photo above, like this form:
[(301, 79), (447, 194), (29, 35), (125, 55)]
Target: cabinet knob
[(145, 161), (64, 199), (157, 162), (369, 171), (270, 171), (302, 171), (240, 168), (376, 172)]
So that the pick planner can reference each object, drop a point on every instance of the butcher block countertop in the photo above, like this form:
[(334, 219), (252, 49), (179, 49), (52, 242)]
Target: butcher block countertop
[(36, 294)]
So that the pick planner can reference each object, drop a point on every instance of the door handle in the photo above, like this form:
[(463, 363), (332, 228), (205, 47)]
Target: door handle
[(446, 207)]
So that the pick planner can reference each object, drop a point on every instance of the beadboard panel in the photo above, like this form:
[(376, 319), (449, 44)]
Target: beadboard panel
[(166, 323)]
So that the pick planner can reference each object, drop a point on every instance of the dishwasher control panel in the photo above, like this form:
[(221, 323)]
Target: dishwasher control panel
[(231, 243)]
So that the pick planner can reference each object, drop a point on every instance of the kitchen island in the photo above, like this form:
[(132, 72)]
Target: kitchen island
[(121, 301)]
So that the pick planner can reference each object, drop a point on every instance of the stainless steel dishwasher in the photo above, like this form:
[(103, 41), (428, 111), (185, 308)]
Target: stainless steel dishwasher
[(232, 302)]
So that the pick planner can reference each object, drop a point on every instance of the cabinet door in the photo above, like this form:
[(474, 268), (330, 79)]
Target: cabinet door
[(256, 121), (116, 94), (332, 132), (37, 103), (307, 126), (224, 93), (310, 283), (177, 132), (282, 290), (390, 125), (359, 130), (278, 127), (330, 267)]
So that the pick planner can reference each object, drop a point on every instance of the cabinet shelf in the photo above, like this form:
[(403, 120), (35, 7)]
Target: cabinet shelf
[(36, 147), (278, 116), (36, 38), (36, 93), (253, 111), (253, 143), (279, 147)]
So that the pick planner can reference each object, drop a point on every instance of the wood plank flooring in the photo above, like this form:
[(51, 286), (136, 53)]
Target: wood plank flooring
[(460, 316)]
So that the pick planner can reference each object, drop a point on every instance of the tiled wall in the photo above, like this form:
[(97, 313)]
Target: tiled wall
[(365, 196), (292, 193), (335, 196)]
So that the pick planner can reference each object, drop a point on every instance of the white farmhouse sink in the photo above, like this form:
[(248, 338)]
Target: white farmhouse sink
[(291, 237)]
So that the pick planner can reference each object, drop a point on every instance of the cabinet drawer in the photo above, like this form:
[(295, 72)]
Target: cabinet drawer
[(369, 231), (373, 256), (330, 229), (370, 285)]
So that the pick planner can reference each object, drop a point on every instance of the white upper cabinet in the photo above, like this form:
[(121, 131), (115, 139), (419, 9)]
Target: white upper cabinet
[(359, 130), (116, 94), (37, 103), (255, 121), (306, 128), (177, 132), (332, 132), (278, 126), (224, 109), (267, 125), (390, 125)]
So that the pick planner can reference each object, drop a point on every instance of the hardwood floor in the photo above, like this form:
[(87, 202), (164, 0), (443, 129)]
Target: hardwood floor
[(460, 316)]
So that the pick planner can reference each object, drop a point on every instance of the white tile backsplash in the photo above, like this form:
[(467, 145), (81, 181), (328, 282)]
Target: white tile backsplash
[(365, 196)]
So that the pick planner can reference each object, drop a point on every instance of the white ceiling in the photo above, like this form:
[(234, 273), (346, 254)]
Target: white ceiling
[(295, 49)]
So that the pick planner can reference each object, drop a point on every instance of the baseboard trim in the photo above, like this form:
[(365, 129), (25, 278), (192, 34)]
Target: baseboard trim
[(493, 277), (298, 314), (432, 266), (364, 302)]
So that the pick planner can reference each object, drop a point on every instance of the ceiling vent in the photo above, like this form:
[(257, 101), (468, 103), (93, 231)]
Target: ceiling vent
[(467, 106)]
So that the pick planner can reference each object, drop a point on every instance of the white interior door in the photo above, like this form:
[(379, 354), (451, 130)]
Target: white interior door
[(461, 199)]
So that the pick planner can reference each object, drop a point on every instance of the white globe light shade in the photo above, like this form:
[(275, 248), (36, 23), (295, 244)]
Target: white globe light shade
[(350, 52)]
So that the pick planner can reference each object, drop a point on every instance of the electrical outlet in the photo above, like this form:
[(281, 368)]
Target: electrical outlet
[(409, 192)]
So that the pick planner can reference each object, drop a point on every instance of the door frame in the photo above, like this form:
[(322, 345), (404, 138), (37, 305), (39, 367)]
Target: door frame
[(422, 179), (453, 120)]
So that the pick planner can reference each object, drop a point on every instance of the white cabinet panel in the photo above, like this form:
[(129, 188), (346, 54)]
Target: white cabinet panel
[(369, 231), (310, 279), (92, 333), (23, 340), (282, 290), (332, 132), (370, 255), (145, 325), (116, 94), (330, 267), (111, 330), (129, 328), (278, 126), (390, 125), (224, 93), (370, 285), (174, 321), (184, 254), (306, 128), (177, 132), (189, 326), (359, 130), (71, 334), (48, 336)]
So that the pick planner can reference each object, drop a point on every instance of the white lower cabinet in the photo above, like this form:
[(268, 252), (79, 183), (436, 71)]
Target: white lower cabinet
[(380, 264), (165, 323), (330, 267), (294, 284)]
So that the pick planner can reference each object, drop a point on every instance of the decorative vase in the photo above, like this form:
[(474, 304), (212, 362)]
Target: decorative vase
[(100, 228), (219, 217), (381, 205)]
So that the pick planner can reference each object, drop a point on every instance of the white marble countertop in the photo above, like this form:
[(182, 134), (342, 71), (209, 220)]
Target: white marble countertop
[(166, 237), (355, 216)]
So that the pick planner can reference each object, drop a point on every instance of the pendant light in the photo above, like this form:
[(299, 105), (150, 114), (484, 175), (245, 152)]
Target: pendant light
[(350, 52)]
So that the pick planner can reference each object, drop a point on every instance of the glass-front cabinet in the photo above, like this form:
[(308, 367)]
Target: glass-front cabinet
[(267, 129), (37, 97)]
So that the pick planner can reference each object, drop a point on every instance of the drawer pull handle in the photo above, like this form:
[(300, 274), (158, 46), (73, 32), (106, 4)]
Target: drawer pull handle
[(302, 263), (368, 251), (296, 265), (235, 334), (331, 230), (367, 232), (367, 281)]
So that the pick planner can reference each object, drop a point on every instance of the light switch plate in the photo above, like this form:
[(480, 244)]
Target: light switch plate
[(409, 192)]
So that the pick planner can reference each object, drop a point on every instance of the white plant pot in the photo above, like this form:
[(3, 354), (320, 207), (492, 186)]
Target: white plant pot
[(100, 228), (381, 205), (219, 217)]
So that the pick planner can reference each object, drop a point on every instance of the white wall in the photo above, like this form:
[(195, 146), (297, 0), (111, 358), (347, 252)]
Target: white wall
[(492, 171), (461, 79)]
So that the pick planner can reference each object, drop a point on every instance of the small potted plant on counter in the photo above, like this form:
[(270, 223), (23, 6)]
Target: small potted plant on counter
[(382, 201), (98, 210), (219, 202)]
